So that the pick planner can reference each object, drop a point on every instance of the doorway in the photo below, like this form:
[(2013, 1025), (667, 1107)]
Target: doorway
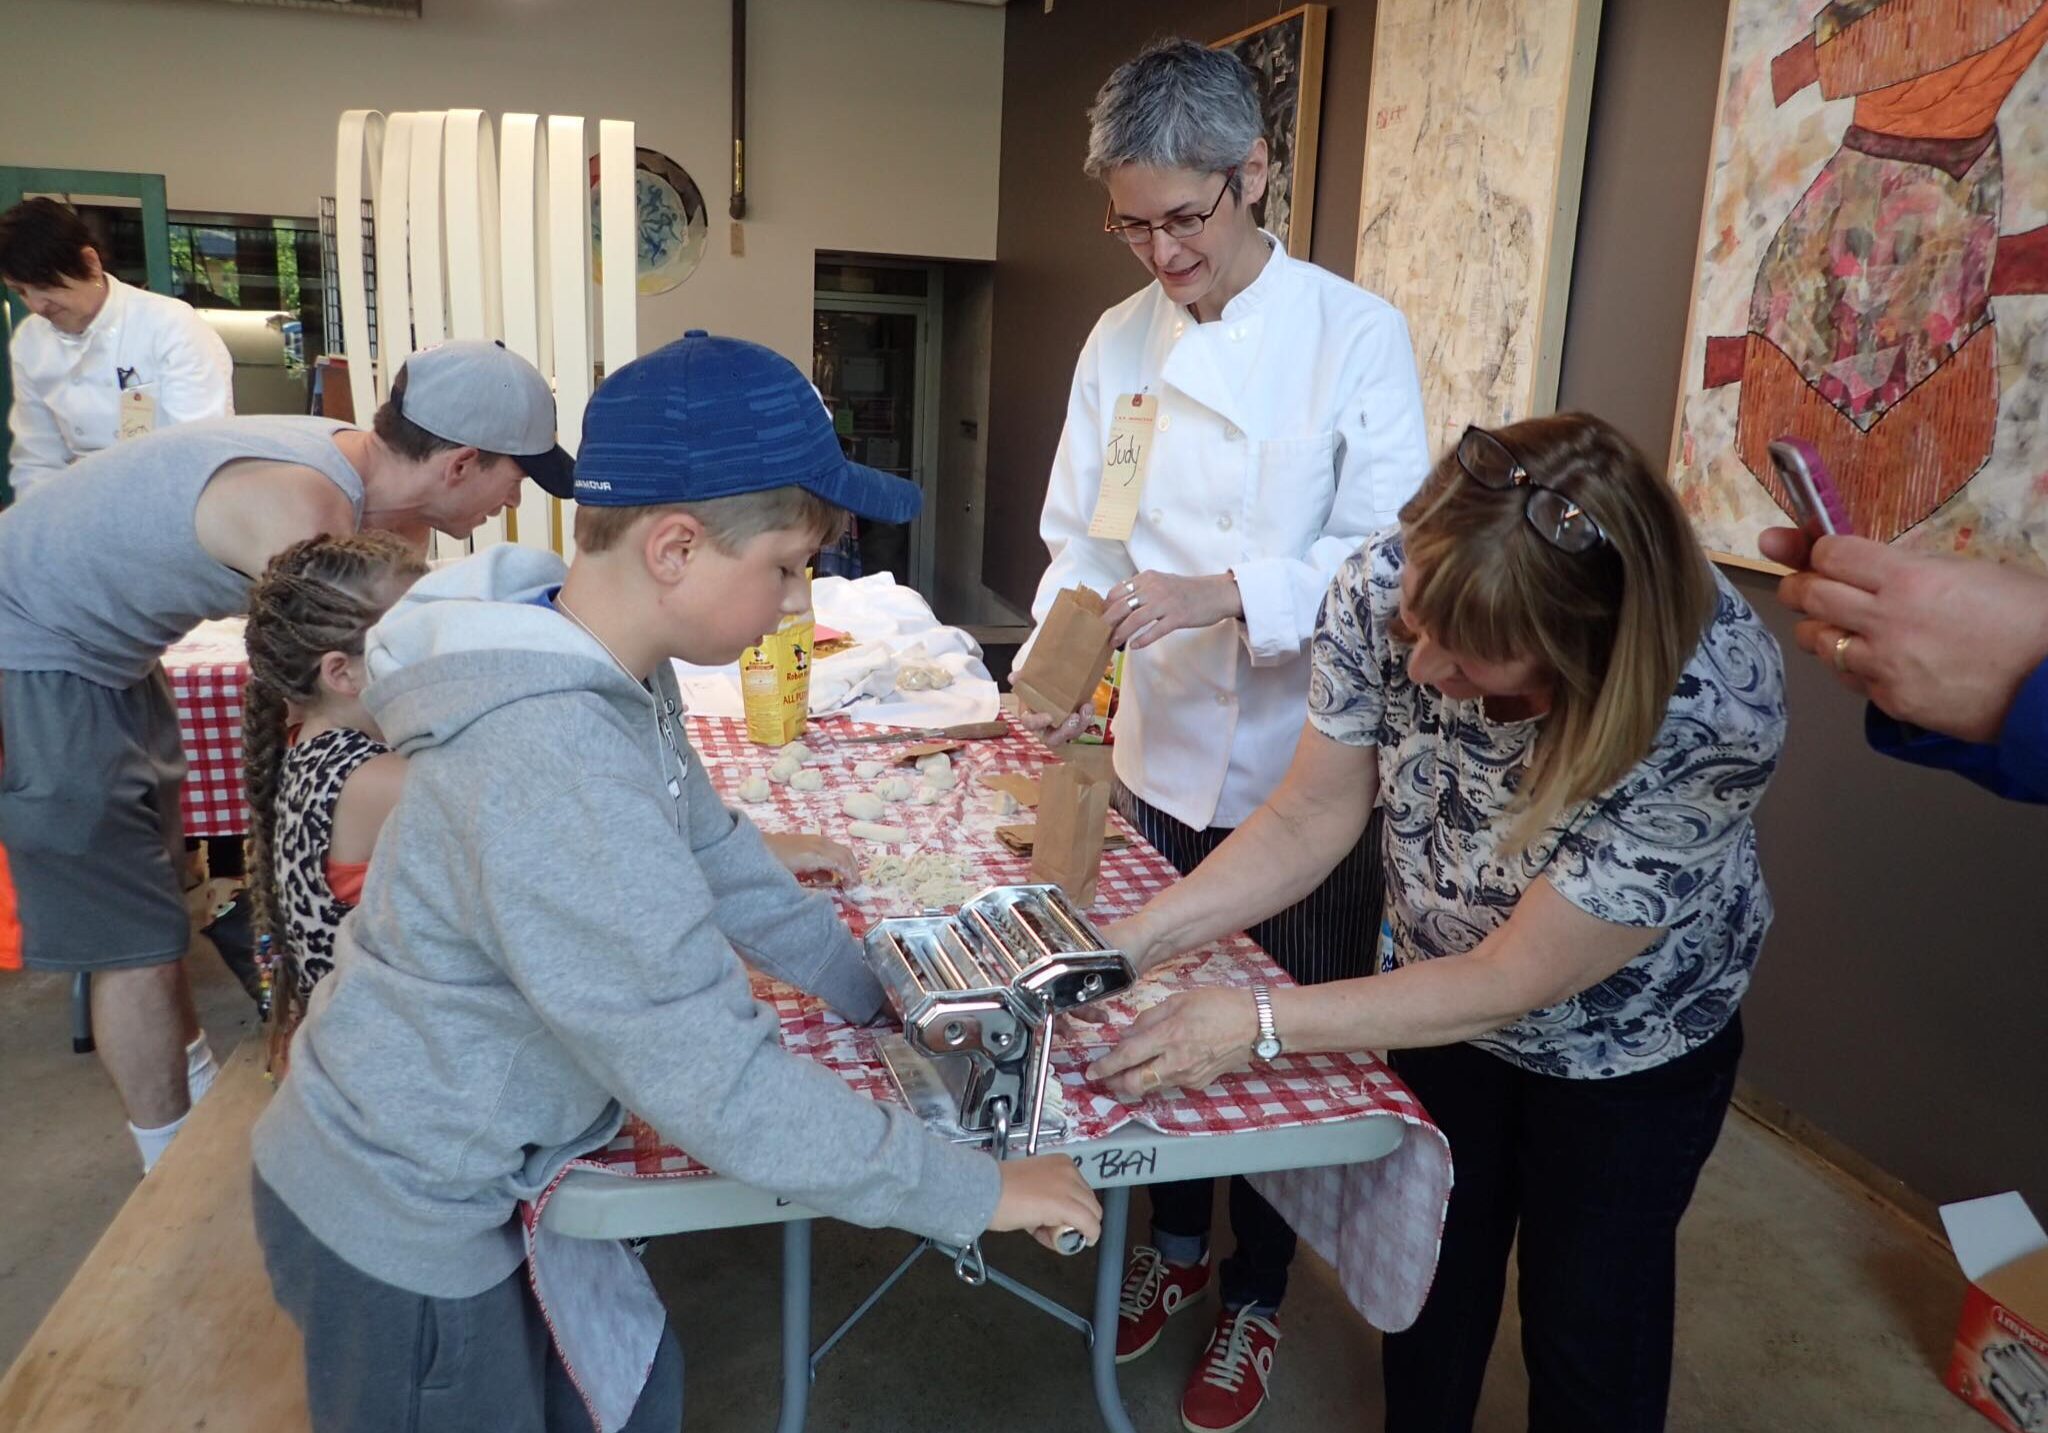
[(875, 359), (900, 353)]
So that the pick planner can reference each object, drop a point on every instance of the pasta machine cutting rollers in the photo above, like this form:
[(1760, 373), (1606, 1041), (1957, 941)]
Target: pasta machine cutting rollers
[(977, 993)]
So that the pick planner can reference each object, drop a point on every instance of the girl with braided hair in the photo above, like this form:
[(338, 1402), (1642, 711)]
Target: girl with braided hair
[(320, 779)]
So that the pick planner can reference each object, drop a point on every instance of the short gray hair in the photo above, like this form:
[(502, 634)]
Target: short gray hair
[(1176, 105)]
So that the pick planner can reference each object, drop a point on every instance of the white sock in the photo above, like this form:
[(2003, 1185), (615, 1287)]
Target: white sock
[(153, 1142), (200, 1068)]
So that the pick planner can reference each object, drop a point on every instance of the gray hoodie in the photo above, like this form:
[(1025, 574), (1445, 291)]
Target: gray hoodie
[(548, 933)]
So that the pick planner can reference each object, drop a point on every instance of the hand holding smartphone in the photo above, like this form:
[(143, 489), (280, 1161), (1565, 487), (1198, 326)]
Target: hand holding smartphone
[(1816, 501)]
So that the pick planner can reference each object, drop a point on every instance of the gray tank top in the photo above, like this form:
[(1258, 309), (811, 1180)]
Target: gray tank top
[(101, 569)]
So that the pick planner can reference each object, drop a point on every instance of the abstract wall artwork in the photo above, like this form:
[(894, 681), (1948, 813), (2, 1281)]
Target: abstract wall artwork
[(1286, 52), (1872, 271), (1469, 210)]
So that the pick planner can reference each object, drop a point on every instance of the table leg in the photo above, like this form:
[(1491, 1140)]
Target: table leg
[(796, 1324), (1109, 1279)]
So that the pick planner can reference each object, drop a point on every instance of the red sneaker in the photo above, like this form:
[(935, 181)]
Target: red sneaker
[(1153, 1291), (1228, 1387)]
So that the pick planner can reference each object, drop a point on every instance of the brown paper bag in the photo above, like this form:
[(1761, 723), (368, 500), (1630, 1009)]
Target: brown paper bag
[(1073, 803), (1067, 660)]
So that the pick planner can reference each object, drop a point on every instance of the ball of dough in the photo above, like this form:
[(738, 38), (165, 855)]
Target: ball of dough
[(807, 779), (937, 761), (868, 770), (928, 794), (896, 788), (863, 806), (797, 752), (754, 788)]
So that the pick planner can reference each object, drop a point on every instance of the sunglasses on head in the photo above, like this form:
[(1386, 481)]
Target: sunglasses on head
[(1559, 519)]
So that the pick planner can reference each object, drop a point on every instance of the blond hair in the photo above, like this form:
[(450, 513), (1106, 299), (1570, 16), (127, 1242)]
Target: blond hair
[(1612, 627), (730, 523)]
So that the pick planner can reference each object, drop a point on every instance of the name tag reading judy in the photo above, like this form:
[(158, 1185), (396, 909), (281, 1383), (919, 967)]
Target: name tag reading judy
[(137, 414), (1123, 466)]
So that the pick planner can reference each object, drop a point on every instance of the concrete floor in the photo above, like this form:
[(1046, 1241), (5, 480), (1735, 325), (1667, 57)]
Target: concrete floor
[(1803, 1305)]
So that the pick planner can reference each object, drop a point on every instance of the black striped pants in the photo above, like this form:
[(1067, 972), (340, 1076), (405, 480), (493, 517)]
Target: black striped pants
[(1332, 933)]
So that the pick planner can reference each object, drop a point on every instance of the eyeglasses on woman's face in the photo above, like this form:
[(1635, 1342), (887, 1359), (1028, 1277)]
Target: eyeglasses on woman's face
[(1138, 233), (1557, 518)]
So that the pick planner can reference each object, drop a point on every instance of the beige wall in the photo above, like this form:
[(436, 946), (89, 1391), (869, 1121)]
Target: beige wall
[(873, 125)]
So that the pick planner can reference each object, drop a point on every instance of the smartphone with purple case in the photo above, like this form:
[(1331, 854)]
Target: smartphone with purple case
[(1816, 500)]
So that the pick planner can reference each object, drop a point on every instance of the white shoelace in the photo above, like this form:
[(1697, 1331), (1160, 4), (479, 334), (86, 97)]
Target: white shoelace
[(1228, 1356), (1141, 1282)]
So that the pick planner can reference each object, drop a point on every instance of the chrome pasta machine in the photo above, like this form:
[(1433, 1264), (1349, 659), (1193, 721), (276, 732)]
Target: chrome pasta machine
[(2017, 1378), (976, 993)]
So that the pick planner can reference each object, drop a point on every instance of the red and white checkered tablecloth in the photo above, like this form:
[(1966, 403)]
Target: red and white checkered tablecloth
[(208, 668), (1385, 1261), (1379, 1223)]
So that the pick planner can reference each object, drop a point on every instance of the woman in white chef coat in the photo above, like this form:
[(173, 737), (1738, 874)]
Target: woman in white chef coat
[(96, 360), (1286, 426)]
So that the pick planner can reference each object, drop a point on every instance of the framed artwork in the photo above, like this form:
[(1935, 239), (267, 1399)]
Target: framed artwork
[(1873, 274), (1468, 210), (1286, 52)]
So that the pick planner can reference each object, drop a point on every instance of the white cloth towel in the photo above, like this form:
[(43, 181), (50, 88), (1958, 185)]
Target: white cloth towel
[(891, 625)]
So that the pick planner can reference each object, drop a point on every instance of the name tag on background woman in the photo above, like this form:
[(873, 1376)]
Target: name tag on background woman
[(1123, 466), (138, 413)]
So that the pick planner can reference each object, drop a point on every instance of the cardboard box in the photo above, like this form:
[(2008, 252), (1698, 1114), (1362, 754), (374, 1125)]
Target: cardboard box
[(2000, 1366), (775, 682)]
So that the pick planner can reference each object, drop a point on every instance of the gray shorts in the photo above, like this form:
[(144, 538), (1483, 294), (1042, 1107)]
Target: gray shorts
[(90, 780)]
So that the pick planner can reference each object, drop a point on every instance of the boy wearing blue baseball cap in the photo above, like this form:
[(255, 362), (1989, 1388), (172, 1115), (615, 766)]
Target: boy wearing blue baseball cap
[(548, 932)]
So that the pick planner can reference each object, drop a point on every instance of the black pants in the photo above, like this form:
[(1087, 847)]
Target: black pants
[(1330, 934), (1595, 1175)]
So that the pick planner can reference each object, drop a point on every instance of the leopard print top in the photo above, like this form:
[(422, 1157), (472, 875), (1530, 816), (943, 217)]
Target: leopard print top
[(309, 780)]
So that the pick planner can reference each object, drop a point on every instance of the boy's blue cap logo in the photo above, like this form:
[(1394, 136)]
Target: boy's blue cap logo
[(707, 417)]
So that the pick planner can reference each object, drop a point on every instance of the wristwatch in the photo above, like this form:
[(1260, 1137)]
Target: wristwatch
[(1267, 1046)]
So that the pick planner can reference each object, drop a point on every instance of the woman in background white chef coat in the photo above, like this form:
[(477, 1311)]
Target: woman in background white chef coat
[(1286, 426), (96, 360)]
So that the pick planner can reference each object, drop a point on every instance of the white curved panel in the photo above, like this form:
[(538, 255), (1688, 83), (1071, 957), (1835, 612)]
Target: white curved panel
[(358, 144), (423, 232), (522, 196), (472, 231), (618, 222), (471, 205), (394, 288), (522, 181), (569, 283)]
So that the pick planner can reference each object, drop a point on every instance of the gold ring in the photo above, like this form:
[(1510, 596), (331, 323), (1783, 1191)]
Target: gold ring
[(1842, 651), (1150, 1080)]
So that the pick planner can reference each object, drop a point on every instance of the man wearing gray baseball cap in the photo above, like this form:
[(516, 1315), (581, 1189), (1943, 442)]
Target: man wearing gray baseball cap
[(102, 572)]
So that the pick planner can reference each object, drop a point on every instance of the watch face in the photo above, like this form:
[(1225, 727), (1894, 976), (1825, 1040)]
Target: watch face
[(1266, 1049)]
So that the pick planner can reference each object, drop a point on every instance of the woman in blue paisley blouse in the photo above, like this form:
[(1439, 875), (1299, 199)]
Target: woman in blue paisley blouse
[(1568, 717)]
